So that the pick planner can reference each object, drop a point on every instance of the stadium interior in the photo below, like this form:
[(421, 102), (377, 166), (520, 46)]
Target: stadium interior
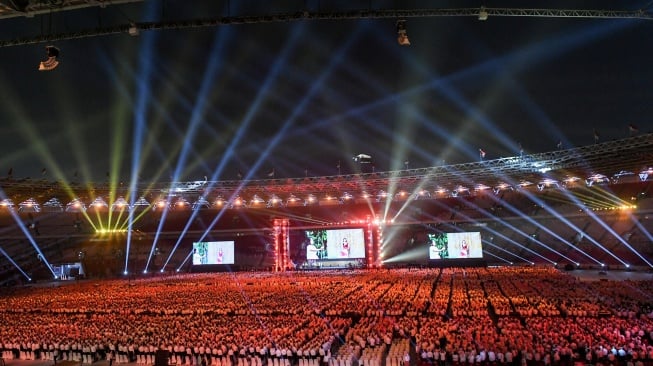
[(510, 258)]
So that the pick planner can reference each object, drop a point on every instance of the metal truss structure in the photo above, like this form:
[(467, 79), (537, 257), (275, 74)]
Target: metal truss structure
[(632, 154), (30, 8)]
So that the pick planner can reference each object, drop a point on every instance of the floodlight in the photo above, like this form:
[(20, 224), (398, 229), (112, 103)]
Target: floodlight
[(482, 14), (133, 30), (52, 61)]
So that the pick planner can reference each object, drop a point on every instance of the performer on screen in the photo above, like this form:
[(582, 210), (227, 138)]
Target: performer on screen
[(311, 252), (464, 249), (344, 249), (434, 251), (220, 256)]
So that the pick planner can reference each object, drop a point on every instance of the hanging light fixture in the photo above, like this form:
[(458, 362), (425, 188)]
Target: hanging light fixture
[(52, 61)]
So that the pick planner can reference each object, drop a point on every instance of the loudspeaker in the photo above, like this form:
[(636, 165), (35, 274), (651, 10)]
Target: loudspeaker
[(162, 358)]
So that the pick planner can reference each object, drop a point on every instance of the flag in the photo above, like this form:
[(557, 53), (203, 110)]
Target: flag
[(271, 173), (633, 129), (596, 136), (44, 171), (559, 145), (481, 152), (239, 174)]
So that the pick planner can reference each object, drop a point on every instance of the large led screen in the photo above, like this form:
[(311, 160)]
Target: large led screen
[(213, 252), (335, 244), (455, 245)]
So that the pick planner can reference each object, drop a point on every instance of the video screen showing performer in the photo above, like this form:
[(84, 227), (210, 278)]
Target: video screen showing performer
[(465, 245), (213, 252), (335, 244), (455, 245)]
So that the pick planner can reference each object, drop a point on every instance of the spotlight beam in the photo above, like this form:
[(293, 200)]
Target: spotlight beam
[(500, 258), (29, 237), (530, 56), (489, 215), (182, 263), (15, 264), (542, 227), (511, 227), (641, 228), (249, 116), (546, 207), (179, 239), (315, 87), (505, 251), (140, 118), (150, 140), (521, 214), (214, 65), (616, 236), (263, 91), (593, 216)]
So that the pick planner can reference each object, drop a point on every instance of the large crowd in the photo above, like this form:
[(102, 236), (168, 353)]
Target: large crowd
[(518, 316)]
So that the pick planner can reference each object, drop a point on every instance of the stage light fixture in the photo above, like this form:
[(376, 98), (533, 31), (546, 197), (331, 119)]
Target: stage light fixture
[(7, 204), (201, 203), (76, 205), (53, 205), (274, 201), (161, 204), (181, 204), (52, 61), (29, 205), (219, 202), (293, 201), (482, 14), (120, 204), (402, 34), (310, 200), (141, 204), (133, 30), (98, 205), (238, 202), (257, 201)]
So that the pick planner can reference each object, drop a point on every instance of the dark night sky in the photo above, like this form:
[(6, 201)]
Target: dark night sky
[(304, 95)]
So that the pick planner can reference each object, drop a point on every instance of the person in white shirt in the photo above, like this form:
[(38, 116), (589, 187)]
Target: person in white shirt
[(491, 356), (509, 357)]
